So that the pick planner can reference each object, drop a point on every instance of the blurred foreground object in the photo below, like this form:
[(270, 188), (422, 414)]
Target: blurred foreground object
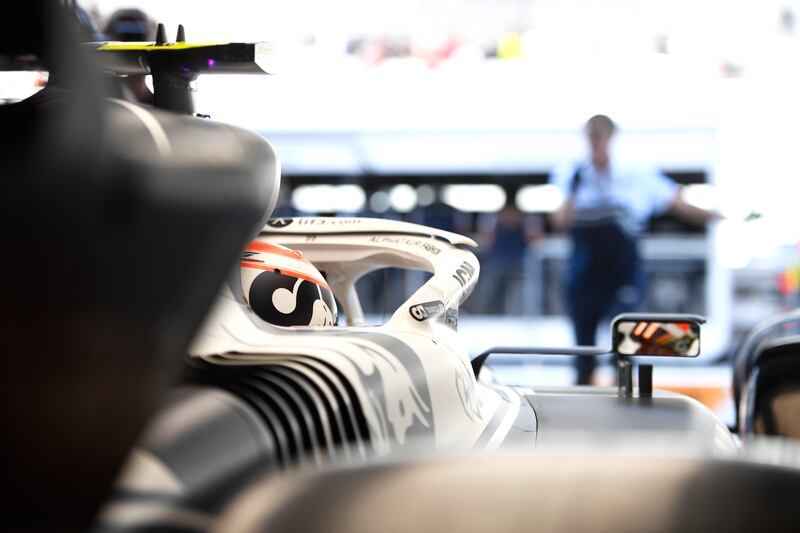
[(767, 378), (119, 224), (519, 492)]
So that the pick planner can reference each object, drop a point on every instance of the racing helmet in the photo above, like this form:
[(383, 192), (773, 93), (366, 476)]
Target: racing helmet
[(283, 288), (130, 25)]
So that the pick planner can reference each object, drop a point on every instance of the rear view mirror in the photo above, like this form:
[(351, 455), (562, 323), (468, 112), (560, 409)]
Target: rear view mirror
[(655, 334)]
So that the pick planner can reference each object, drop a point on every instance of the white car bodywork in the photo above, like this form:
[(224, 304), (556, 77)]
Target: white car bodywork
[(415, 360), (412, 377)]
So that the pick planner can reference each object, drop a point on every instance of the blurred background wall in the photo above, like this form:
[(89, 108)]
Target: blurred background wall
[(452, 113)]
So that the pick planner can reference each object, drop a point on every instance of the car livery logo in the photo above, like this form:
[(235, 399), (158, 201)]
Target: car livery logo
[(464, 274), (279, 222), (424, 311), (451, 318)]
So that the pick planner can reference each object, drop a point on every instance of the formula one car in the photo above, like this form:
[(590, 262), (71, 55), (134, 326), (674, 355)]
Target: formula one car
[(354, 427), (273, 384)]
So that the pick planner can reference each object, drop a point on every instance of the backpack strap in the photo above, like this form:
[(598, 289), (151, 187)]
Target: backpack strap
[(575, 182)]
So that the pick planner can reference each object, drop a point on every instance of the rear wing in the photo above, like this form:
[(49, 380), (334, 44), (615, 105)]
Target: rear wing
[(175, 65), (190, 59)]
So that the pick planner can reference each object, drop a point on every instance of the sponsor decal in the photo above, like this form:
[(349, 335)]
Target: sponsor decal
[(451, 318), (424, 311), (416, 243), (248, 254), (333, 221), (465, 385), (464, 273), (403, 409), (468, 290), (279, 222)]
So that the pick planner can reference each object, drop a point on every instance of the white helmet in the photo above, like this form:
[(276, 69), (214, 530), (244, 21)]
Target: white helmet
[(283, 288)]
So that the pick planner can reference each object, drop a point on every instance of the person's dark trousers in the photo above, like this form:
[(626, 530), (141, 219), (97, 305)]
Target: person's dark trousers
[(604, 279), (585, 317), (592, 307)]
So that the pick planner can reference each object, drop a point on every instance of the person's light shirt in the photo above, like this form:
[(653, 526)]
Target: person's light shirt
[(640, 192)]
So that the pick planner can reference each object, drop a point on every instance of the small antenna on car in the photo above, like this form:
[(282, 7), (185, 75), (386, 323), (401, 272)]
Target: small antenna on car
[(161, 35), (181, 38)]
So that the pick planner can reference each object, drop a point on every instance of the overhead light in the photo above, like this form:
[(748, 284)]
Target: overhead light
[(426, 195), (539, 198), (328, 198), (702, 195), (482, 198), (379, 202), (403, 198)]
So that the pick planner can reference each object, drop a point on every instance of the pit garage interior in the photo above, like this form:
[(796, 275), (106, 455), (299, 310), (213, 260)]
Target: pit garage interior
[(454, 115)]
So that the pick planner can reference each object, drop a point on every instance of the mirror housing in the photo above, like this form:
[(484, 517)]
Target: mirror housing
[(656, 334)]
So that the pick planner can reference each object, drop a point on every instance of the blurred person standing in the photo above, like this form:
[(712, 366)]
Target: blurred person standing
[(505, 238), (132, 25), (605, 210)]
